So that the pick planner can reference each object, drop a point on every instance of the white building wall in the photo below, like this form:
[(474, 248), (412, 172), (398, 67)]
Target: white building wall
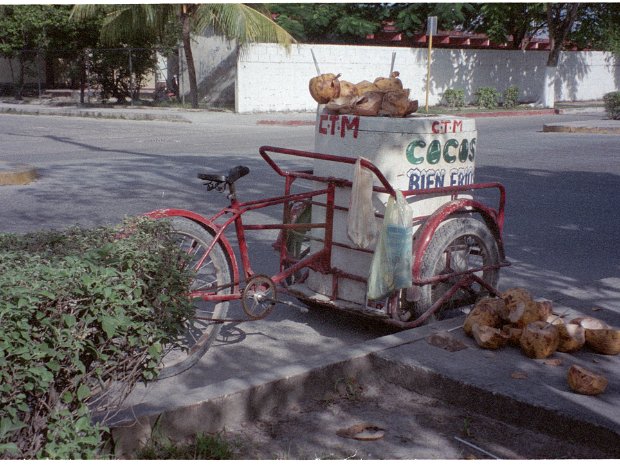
[(271, 79)]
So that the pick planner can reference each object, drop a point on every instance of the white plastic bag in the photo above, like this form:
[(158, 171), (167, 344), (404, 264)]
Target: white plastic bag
[(390, 268), (361, 222)]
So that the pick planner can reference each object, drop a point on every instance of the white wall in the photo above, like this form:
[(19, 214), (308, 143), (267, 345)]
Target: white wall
[(215, 59), (271, 79)]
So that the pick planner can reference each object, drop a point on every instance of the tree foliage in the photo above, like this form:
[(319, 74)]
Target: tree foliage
[(31, 32), (516, 23), (329, 22), (241, 22)]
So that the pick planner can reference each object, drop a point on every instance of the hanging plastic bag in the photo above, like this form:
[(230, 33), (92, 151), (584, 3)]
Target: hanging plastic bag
[(390, 268), (361, 222)]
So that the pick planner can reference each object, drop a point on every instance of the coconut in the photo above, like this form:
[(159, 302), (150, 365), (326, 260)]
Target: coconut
[(488, 337), (395, 103), (413, 107), (484, 313), (340, 105), (524, 313), (348, 89), (539, 339), (585, 381), (589, 322), (515, 294), (366, 86), (604, 340), (368, 104), (572, 337), (389, 84), (545, 309), (513, 334), (555, 319), (325, 87)]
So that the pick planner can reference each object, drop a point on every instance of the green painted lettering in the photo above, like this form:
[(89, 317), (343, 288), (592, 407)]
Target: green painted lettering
[(472, 149), (411, 152), (451, 144), (464, 151), (433, 154)]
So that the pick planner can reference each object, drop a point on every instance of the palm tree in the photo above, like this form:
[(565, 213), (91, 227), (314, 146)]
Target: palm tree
[(237, 21)]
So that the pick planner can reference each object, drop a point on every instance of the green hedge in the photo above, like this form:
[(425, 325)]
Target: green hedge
[(84, 316), (455, 98), (612, 104), (487, 97)]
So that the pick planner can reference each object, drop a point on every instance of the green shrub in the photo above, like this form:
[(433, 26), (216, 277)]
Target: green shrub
[(455, 98), (84, 316), (203, 447), (511, 97), (487, 97), (612, 104)]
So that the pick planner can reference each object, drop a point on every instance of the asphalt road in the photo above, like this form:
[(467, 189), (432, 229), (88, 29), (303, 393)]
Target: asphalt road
[(561, 227)]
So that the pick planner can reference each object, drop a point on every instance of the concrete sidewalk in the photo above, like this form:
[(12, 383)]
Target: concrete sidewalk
[(502, 384)]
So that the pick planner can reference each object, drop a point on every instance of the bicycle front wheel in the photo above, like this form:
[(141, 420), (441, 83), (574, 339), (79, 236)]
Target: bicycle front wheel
[(212, 276)]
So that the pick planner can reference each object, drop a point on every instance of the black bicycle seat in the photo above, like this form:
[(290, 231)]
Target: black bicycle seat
[(235, 173)]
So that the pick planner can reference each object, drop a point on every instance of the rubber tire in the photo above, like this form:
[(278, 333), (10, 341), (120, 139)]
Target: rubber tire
[(220, 268), (432, 263)]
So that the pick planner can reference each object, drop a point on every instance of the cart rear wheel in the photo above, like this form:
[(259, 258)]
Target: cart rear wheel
[(459, 244), (213, 276)]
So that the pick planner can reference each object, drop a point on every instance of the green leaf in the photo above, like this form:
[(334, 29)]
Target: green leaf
[(8, 426), (108, 324), (9, 448), (155, 350), (69, 320), (83, 392)]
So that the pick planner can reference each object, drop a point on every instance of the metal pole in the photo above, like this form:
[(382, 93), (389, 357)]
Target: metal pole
[(428, 67), (316, 64), (392, 66), (130, 76), (431, 28)]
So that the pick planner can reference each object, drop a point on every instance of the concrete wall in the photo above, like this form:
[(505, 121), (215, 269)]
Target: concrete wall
[(271, 79), (215, 59), (30, 73)]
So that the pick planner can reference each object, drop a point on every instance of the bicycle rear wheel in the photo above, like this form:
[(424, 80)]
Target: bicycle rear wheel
[(213, 275)]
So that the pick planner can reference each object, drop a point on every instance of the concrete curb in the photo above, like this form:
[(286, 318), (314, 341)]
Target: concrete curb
[(136, 115), (139, 114), (586, 127), (16, 174)]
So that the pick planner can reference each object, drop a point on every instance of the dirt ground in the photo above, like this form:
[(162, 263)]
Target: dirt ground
[(412, 426)]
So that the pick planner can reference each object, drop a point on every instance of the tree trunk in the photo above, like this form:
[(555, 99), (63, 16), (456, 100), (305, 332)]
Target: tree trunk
[(560, 20), (186, 12)]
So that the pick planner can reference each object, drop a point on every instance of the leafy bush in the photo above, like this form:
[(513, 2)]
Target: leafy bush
[(455, 98), (511, 97), (487, 97), (612, 104), (85, 315)]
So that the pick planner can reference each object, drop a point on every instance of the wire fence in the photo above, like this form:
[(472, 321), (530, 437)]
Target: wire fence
[(95, 75)]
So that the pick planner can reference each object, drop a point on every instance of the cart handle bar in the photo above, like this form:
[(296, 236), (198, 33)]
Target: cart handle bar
[(322, 156)]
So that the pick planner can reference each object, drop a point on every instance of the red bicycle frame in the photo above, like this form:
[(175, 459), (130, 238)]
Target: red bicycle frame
[(320, 260)]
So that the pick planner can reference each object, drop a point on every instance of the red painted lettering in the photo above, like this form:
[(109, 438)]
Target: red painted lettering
[(322, 130), (346, 125), (333, 119), (457, 125)]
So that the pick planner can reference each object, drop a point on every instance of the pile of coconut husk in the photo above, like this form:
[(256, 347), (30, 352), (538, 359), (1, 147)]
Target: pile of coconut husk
[(383, 97), (516, 318)]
